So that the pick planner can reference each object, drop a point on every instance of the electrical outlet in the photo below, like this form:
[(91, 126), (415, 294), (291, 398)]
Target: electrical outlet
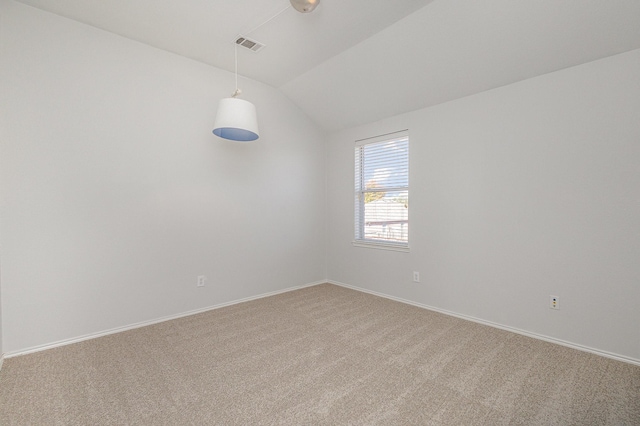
[(416, 277), (554, 302), (201, 280)]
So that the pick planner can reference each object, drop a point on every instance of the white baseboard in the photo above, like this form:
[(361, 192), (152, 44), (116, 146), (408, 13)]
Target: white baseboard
[(363, 290), (1, 361), (496, 325), (149, 322)]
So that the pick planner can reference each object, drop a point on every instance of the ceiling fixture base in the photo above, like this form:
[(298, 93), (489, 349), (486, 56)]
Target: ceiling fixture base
[(304, 6)]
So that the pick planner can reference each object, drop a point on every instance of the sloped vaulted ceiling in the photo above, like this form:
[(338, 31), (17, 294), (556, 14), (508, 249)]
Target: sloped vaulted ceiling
[(357, 61)]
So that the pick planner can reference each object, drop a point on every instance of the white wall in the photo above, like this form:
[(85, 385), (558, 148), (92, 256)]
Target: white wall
[(116, 195), (1, 347), (517, 193)]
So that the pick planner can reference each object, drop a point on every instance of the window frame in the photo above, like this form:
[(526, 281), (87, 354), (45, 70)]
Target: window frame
[(360, 191)]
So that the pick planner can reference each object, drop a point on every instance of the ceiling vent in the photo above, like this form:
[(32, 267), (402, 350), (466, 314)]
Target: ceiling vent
[(252, 45)]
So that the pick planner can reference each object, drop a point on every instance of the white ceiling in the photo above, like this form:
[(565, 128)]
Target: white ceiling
[(355, 61)]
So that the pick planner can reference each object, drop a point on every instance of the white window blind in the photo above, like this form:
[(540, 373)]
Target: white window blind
[(382, 190)]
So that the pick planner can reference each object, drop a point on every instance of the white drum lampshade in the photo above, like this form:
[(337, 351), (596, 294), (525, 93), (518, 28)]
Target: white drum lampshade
[(236, 120)]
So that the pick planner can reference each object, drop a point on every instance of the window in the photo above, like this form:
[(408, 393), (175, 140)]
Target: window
[(382, 191)]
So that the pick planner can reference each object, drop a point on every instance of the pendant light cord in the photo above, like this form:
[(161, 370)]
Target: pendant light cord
[(237, 92), (268, 20)]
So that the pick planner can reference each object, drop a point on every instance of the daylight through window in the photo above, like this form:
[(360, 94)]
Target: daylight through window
[(382, 190)]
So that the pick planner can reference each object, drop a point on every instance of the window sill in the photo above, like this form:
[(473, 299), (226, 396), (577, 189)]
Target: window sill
[(381, 246)]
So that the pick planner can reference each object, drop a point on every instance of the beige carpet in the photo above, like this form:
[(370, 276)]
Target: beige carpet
[(322, 355)]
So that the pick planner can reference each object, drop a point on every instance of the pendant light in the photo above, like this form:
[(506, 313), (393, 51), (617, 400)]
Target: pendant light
[(236, 118)]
